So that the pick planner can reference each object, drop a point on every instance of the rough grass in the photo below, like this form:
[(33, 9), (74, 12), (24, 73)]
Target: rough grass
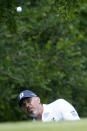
[(80, 125)]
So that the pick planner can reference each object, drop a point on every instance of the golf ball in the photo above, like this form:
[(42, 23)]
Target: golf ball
[(19, 9)]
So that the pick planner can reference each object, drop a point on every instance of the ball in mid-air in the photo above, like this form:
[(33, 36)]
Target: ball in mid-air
[(19, 9)]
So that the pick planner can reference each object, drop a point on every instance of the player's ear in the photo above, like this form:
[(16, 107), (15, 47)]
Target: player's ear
[(38, 99)]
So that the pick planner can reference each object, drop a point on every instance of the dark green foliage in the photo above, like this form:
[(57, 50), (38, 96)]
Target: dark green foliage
[(43, 48)]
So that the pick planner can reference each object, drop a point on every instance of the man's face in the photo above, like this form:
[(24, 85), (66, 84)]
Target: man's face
[(31, 106)]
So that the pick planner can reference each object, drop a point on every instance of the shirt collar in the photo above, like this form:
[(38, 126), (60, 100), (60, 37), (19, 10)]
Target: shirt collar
[(46, 112), (45, 108)]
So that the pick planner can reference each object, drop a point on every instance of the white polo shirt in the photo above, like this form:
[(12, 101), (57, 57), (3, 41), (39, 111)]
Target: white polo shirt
[(59, 110)]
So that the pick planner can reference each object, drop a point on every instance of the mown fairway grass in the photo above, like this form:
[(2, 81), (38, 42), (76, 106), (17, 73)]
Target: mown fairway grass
[(80, 125)]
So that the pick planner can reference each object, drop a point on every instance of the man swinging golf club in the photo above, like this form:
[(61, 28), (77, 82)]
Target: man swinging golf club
[(55, 111)]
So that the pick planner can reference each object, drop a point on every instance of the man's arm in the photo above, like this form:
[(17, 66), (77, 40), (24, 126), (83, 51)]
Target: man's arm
[(68, 112)]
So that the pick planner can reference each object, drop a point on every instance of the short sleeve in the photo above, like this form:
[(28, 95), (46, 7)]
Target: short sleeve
[(68, 112)]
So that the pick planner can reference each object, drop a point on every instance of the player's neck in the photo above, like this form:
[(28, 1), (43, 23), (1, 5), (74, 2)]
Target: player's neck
[(39, 116)]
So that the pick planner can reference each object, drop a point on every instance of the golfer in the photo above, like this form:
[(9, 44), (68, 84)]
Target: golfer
[(55, 111)]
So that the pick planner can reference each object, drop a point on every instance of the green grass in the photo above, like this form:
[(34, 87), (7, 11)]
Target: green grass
[(80, 125)]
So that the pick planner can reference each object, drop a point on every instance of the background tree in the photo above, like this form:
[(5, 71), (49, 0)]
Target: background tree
[(43, 48)]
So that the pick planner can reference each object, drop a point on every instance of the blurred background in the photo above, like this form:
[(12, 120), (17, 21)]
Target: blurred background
[(43, 48)]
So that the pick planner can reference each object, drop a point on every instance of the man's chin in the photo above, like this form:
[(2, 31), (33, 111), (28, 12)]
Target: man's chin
[(33, 115)]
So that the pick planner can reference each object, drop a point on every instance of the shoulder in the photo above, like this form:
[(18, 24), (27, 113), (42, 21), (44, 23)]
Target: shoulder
[(60, 103), (63, 103), (57, 102)]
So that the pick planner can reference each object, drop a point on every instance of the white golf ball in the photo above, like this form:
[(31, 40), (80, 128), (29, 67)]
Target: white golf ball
[(19, 9)]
